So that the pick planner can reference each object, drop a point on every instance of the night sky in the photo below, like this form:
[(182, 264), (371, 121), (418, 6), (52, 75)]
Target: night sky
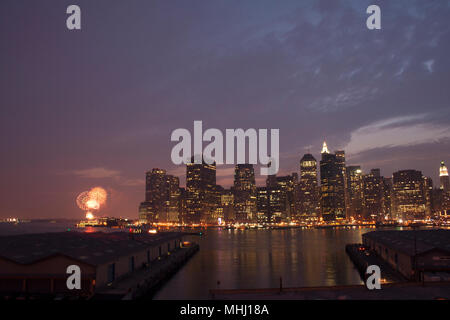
[(96, 107)]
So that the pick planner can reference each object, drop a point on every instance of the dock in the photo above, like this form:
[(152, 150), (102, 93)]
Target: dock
[(145, 282), (362, 257)]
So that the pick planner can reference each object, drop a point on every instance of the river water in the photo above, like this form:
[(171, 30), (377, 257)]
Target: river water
[(242, 259)]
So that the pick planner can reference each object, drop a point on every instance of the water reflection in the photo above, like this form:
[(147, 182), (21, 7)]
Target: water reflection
[(232, 259)]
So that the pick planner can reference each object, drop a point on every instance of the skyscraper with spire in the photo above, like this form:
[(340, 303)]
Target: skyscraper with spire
[(332, 184), (325, 148)]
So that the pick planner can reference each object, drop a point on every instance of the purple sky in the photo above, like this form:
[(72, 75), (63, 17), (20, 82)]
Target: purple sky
[(96, 107)]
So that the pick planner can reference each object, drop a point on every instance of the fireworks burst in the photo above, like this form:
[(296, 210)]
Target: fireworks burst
[(82, 200), (91, 200), (98, 194)]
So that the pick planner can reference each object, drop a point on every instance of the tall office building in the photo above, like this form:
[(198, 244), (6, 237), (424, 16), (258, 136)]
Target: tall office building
[(341, 185), (372, 194), (201, 195), (182, 205), (244, 193), (308, 188), (408, 196), (332, 184), (277, 203), (262, 204), (218, 210), (428, 193), (354, 201), (171, 208), (386, 200), (155, 189), (162, 198), (444, 178), (227, 204), (288, 185)]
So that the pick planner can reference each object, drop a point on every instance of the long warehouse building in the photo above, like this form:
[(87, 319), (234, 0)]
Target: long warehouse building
[(37, 263), (416, 254)]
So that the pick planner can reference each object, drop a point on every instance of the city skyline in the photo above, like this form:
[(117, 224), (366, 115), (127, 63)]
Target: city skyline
[(96, 107), (327, 190)]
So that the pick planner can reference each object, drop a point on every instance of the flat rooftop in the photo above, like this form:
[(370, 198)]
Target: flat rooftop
[(403, 240), (92, 248)]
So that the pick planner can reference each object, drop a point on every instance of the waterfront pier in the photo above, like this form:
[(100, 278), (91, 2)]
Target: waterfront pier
[(110, 265)]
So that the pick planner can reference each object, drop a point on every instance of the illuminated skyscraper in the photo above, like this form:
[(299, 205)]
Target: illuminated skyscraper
[(288, 197), (428, 194), (182, 205), (244, 193), (155, 190), (341, 185), (277, 203), (408, 196), (444, 178), (227, 204), (201, 195), (386, 200), (354, 191), (162, 198), (324, 148), (262, 204), (308, 190), (372, 194), (332, 185)]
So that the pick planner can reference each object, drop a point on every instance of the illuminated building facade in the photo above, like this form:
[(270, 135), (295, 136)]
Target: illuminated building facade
[(171, 208), (277, 204), (218, 210), (428, 193), (262, 204), (372, 194), (354, 182), (227, 204), (408, 196), (445, 209), (288, 195), (162, 198), (201, 195), (332, 185), (308, 189), (386, 200), (182, 205), (444, 178), (441, 195), (147, 213), (341, 185), (244, 193)]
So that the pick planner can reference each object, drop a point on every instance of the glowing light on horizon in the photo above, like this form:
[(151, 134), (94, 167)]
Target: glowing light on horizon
[(89, 216)]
